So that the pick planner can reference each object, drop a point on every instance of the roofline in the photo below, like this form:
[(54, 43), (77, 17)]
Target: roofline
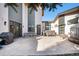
[(64, 12), (47, 21), (69, 10)]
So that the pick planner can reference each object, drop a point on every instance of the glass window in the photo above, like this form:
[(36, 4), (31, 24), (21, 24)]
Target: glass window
[(31, 21), (61, 21), (31, 29), (73, 21)]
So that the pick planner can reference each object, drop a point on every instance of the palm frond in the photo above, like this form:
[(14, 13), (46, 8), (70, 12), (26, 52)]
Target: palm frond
[(12, 5), (34, 6)]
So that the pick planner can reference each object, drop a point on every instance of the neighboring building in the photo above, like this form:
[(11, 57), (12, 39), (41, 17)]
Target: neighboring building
[(22, 22), (65, 21), (46, 25)]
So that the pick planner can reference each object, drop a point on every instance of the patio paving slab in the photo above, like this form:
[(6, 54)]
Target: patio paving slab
[(38, 46)]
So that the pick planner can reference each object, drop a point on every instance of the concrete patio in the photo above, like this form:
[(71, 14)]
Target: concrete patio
[(38, 46)]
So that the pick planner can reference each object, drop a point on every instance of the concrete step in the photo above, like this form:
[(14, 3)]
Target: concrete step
[(31, 34)]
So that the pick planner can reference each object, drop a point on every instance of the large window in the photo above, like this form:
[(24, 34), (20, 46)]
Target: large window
[(47, 26), (31, 21), (31, 29), (61, 25), (16, 28), (73, 21), (61, 21), (61, 29)]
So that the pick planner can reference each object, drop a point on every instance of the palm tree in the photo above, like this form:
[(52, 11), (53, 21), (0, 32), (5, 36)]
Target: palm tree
[(49, 6)]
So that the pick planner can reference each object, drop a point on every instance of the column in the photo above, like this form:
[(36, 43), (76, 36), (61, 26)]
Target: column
[(24, 19), (38, 18)]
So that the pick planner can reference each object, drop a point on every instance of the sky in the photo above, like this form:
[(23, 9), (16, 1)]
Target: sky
[(50, 15)]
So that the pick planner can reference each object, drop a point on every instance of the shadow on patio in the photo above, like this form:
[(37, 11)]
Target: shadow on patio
[(64, 47)]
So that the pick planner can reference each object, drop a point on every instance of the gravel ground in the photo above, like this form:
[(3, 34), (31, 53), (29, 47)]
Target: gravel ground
[(38, 46)]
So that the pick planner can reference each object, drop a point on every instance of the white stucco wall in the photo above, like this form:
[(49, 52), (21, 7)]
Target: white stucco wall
[(24, 19), (3, 18), (43, 26), (17, 17), (67, 27), (38, 19), (54, 27)]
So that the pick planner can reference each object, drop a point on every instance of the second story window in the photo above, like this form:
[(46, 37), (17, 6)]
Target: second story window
[(73, 21), (62, 21)]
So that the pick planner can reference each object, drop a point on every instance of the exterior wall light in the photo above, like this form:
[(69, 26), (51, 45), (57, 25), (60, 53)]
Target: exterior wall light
[(5, 22)]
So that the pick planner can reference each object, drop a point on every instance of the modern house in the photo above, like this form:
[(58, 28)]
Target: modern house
[(22, 22), (67, 21)]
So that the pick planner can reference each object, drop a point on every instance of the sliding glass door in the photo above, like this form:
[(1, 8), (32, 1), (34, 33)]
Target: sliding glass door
[(16, 28)]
